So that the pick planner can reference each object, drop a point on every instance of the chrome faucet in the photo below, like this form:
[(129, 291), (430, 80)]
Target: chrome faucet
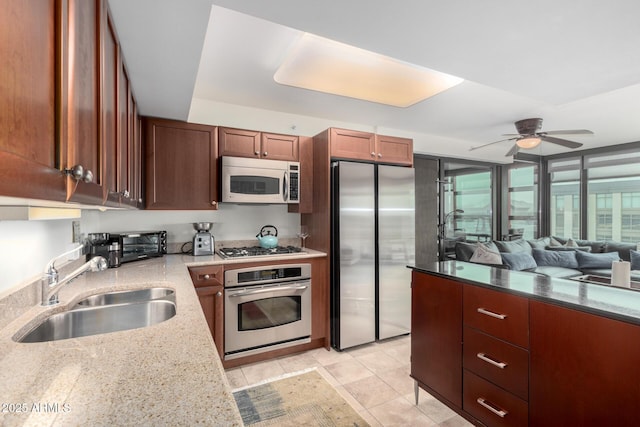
[(50, 283)]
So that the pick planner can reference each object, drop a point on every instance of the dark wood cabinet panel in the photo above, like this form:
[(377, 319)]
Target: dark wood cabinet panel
[(279, 147), (395, 150), (436, 336), (350, 144), (497, 313), (80, 97), (497, 361), (208, 281), (109, 112), (181, 165), (585, 369), (256, 144), (493, 405), (239, 142), (29, 164)]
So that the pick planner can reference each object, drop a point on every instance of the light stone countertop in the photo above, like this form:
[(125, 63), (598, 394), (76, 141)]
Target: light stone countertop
[(165, 374)]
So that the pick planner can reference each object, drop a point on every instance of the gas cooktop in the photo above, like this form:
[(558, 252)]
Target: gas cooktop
[(250, 251)]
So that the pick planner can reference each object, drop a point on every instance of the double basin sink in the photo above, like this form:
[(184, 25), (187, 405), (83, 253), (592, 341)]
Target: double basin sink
[(106, 312)]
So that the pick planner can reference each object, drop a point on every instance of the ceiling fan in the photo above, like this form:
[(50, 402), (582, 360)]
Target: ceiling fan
[(529, 137)]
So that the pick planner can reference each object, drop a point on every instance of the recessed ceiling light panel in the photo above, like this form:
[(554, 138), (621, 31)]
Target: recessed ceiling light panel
[(328, 66)]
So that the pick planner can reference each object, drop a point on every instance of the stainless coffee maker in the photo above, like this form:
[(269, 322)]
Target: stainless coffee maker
[(203, 242)]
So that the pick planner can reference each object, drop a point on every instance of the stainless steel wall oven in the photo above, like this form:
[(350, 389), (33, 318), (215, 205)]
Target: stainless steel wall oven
[(266, 308)]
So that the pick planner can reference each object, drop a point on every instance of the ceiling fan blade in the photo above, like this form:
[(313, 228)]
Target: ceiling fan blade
[(491, 143), (568, 132), (559, 141), (513, 150)]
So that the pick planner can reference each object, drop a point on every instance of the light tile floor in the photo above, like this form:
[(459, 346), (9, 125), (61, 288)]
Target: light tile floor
[(373, 378)]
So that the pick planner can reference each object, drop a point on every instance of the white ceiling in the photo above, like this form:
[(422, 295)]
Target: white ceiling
[(575, 63)]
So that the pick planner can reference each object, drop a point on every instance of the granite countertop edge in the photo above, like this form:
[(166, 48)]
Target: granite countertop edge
[(166, 374)]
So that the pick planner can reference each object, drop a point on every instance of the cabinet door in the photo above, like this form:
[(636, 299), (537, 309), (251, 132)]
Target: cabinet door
[(584, 369), (239, 143), (349, 144), (28, 151), (436, 335), (392, 149), (109, 91), (80, 97), (279, 147), (212, 302), (181, 170), (124, 149)]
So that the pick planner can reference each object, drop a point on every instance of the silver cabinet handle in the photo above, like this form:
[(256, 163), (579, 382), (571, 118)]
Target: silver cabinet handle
[(214, 203), (373, 154), (484, 357), (265, 154), (257, 153), (379, 154), (206, 277), (219, 294), (492, 314), (499, 412), (271, 289)]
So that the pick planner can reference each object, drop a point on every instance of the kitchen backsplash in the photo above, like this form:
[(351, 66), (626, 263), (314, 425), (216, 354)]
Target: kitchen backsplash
[(27, 246)]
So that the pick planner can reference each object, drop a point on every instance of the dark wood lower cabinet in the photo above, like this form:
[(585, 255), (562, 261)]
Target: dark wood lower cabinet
[(585, 369), (212, 302), (436, 336), (549, 365)]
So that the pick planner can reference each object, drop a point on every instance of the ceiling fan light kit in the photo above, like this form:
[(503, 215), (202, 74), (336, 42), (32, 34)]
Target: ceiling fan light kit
[(528, 136), (528, 142)]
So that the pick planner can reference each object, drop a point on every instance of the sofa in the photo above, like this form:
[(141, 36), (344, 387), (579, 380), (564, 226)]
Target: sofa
[(552, 256)]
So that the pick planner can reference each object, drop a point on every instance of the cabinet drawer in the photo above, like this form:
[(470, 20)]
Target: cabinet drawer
[(497, 361), (207, 275), (491, 404), (502, 315)]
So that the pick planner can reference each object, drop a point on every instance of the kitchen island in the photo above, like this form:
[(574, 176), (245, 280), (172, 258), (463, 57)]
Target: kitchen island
[(510, 348), (166, 374)]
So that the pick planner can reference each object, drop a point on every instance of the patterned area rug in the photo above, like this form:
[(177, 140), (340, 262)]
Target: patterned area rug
[(301, 400)]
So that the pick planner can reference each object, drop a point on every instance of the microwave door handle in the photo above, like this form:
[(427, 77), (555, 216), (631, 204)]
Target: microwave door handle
[(285, 187)]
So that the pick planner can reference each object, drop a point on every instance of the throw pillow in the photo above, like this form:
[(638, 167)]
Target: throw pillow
[(566, 259), (539, 243), (519, 245), (571, 243), (635, 259), (518, 260), (557, 241), (588, 260), (484, 255)]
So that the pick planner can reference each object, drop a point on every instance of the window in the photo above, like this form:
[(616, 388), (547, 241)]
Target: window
[(564, 176), (613, 202), (522, 199), (469, 191)]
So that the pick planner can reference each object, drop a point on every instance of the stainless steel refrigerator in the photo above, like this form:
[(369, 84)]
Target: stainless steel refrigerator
[(373, 241)]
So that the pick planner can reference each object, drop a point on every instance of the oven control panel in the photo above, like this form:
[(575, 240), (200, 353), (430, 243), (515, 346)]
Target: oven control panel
[(266, 274)]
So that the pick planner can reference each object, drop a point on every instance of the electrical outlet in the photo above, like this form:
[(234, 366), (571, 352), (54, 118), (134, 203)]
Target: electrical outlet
[(75, 230)]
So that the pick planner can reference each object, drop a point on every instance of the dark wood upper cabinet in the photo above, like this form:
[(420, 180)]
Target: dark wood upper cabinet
[(250, 143), (80, 133), (351, 144), (393, 149), (356, 145), (29, 164), (181, 165)]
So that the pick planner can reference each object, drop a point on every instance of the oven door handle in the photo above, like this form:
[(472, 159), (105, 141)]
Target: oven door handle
[(263, 290)]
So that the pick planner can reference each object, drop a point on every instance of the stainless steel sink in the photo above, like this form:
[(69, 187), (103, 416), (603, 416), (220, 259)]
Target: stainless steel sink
[(87, 321), (124, 297)]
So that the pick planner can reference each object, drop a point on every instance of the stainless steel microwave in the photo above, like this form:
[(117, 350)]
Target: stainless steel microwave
[(247, 180)]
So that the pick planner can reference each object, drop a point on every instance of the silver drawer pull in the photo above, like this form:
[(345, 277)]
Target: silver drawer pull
[(484, 357), (492, 314), (499, 412)]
